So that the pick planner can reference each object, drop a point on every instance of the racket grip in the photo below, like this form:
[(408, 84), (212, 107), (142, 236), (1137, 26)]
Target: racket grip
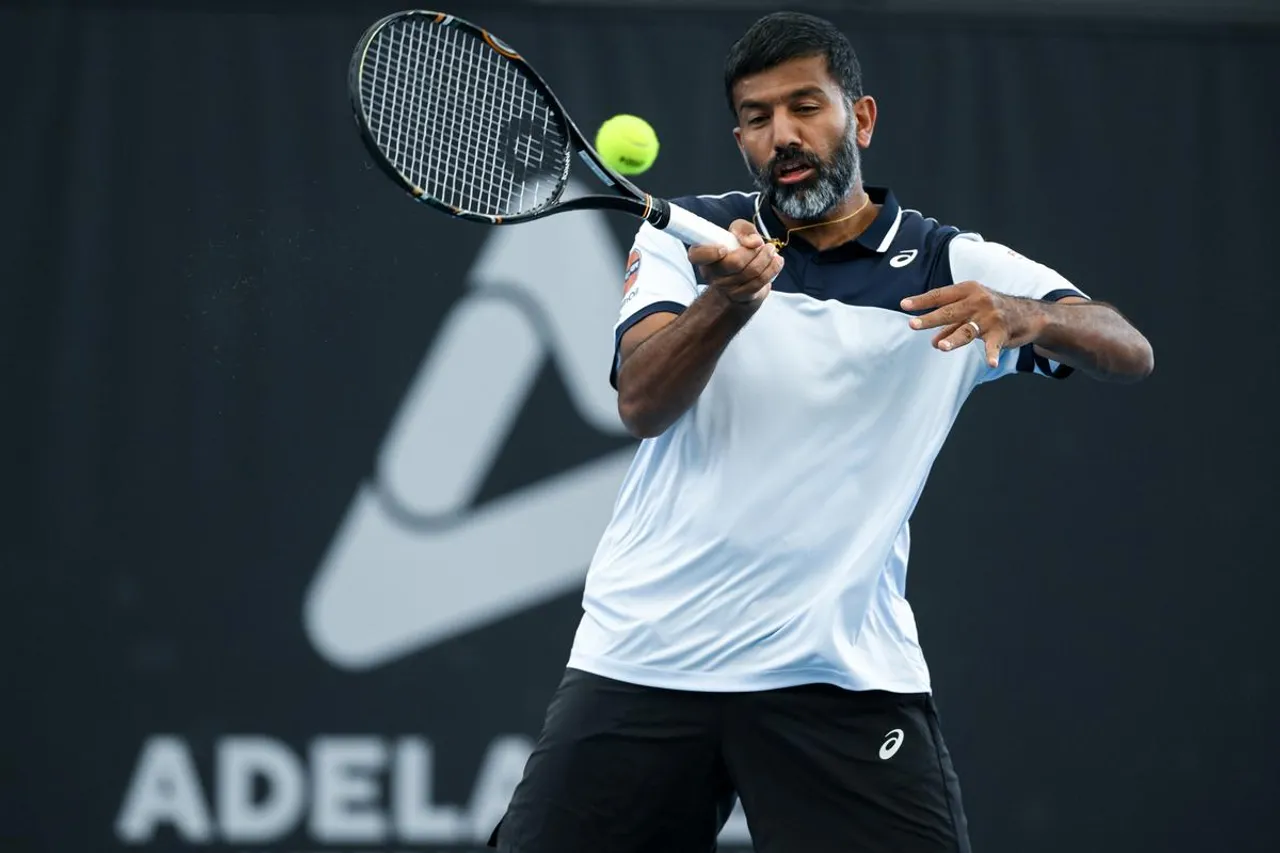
[(693, 230)]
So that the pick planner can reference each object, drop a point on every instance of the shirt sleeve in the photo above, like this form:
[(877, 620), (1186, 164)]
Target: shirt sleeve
[(1003, 270), (658, 279)]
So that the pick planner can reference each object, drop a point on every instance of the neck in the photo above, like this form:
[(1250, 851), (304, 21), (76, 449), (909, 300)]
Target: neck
[(842, 223)]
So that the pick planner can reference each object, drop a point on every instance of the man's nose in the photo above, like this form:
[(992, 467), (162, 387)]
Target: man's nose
[(786, 133)]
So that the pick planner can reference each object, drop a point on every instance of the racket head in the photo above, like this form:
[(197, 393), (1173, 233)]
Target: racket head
[(459, 119)]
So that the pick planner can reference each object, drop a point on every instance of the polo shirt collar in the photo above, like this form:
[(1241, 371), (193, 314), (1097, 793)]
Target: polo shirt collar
[(877, 237)]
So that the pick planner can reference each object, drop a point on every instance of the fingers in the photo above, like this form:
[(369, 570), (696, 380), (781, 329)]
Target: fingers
[(755, 276), (760, 264), (746, 233), (704, 256), (962, 312), (958, 335), (947, 315), (742, 275), (771, 271), (739, 265), (944, 334), (953, 304), (955, 336), (995, 345), (749, 240), (940, 296)]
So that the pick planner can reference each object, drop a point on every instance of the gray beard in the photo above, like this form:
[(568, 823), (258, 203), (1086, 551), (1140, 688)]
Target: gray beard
[(815, 198)]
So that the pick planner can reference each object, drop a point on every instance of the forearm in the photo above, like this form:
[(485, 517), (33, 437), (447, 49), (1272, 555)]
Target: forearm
[(663, 376), (1095, 338)]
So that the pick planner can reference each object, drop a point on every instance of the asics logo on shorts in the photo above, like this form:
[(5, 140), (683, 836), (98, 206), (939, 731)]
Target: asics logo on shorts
[(892, 743)]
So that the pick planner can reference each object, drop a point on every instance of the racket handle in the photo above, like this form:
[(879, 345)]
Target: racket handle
[(693, 230)]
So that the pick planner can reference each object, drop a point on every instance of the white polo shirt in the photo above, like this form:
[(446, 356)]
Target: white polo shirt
[(762, 541)]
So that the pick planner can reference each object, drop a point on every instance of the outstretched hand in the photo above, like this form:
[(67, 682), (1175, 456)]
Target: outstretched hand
[(968, 310)]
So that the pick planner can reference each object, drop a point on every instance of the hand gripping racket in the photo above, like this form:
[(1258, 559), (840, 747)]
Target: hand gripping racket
[(464, 124)]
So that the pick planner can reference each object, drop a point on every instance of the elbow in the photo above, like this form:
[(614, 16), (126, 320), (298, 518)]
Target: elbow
[(640, 420), (1137, 364), (1147, 360), (1144, 361)]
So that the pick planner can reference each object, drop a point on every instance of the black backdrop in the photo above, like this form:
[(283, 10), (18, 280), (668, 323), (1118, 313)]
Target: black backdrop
[(213, 312)]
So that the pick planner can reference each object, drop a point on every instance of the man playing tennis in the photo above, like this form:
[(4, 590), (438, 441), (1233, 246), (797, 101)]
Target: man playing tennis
[(745, 628)]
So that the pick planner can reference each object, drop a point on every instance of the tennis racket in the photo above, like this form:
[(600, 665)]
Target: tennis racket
[(464, 124)]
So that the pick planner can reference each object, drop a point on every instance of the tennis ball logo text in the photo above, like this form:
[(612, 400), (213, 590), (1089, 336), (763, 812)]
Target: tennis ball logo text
[(339, 790)]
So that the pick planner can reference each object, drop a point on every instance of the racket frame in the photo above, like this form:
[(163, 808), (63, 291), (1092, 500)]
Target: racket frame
[(626, 198)]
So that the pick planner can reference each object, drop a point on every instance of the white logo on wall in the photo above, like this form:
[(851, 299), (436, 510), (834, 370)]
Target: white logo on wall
[(339, 790), (355, 790), (413, 563)]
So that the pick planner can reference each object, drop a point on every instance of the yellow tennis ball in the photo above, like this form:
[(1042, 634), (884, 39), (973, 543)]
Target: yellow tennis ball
[(627, 144)]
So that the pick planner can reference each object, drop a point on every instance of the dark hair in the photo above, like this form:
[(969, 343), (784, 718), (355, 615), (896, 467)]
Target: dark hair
[(783, 36)]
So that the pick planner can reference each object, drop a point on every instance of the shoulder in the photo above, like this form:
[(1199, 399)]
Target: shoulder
[(722, 208), (1001, 268), (955, 254), (972, 249), (914, 230), (921, 243)]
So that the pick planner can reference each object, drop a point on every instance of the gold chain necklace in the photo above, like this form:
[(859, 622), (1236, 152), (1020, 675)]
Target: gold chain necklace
[(782, 244)]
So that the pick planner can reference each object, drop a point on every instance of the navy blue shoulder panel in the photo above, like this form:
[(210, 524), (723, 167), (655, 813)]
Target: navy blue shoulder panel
[(914, 261), (720, 209), (938, 240), (921, 241)]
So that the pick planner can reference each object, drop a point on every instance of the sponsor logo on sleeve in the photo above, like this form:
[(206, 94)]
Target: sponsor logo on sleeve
[(633, 270)]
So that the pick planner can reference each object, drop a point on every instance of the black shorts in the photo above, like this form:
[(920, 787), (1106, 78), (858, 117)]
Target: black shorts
[(625, 769)]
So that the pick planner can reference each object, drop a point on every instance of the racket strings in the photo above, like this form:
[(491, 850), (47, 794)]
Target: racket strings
[(460, 121)]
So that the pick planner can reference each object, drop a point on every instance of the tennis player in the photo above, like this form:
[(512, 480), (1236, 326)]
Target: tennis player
[(746, 631)]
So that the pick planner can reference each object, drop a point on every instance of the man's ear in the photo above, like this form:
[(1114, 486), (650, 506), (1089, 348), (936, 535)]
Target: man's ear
[(864, 111)]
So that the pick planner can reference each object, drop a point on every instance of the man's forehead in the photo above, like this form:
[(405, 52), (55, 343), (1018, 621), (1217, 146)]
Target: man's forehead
[(802, 73)]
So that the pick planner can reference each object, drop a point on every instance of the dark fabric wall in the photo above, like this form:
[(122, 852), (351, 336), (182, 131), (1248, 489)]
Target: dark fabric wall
[(213, 309)]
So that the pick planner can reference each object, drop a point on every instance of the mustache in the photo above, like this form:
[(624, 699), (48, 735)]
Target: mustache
[(791, 157)]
